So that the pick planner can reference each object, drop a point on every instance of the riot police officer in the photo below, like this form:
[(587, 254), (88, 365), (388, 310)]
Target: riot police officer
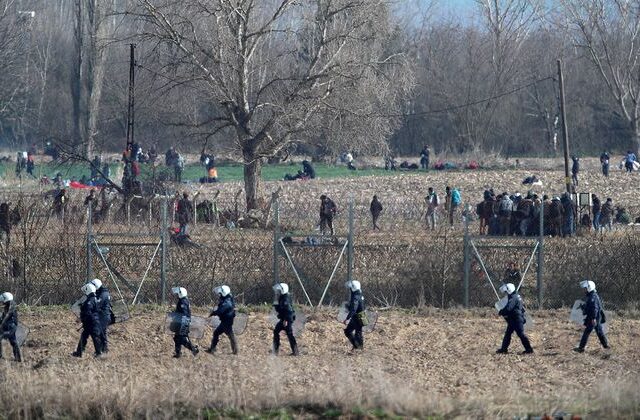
[(90, 318), (353, 319), (181, 336), (9, 325), (594, 316), (226, 311), (286, 316), (105, 311), (513, 313)]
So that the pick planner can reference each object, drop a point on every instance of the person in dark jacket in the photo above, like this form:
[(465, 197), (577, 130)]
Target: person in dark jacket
[(308, 170), (567, 215), (513, 313), (90, 318), (226, 311), (594, 316), (9, 324), (424, 158), (575, 169), (512, 274), (181, 337), (328, 210), (184, 213), (353, 321), (286, 316), (597, 207), (105, 311), (376, 209), (604, 161)]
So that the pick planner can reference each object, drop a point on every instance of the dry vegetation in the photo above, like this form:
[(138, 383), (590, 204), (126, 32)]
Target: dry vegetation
[(432, 363)]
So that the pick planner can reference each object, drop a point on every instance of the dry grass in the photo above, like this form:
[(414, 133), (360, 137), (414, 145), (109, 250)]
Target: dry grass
[(435, 363)]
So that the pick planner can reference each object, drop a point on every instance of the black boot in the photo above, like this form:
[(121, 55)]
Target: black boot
[(294, 351), (16, 354)]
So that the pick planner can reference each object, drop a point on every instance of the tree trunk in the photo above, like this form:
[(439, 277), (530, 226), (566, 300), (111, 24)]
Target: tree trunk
[(252, 182)]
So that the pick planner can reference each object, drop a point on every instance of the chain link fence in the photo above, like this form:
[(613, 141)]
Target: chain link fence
[(49, 250)]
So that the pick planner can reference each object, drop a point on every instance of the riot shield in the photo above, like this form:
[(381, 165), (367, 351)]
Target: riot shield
[(499, 305), (120, 310), (239, 322), (194, 327), (371, 316), (298, 324), (75, 307), (576, 314), (21, 334)]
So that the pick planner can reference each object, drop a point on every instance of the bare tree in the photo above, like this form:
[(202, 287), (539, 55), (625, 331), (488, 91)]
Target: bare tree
[(277, 70), (609, 32)]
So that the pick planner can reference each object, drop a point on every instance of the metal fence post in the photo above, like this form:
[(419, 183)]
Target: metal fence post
[(163, 253), (350, 241), (539, 282), (276, 241), (89, 239), (466, 261)]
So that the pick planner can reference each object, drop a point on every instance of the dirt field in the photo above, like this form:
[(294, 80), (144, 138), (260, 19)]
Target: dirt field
[(433, 363)]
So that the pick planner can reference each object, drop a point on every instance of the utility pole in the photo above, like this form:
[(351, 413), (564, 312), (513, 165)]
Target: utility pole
[(132, 84), (565, 134)]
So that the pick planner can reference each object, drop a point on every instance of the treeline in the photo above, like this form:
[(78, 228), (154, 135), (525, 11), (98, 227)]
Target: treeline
[(483, 83)]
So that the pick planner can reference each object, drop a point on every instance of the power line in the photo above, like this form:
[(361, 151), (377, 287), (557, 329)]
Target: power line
[(477, 102)]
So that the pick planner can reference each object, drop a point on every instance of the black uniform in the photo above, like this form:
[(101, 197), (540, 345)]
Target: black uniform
[(592, 309), (8, 330), (181, 337), (286, 316), (354, 327), (513, 313), (105, 313), (226, 311), (90, 318)]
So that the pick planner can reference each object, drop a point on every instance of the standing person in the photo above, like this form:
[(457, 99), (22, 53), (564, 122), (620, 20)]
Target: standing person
[(606, 214), (512, 273), (21, 163), (575, 168), (604, 161), (286, 316), (181, 337), (95, 166), (555, 217), (90, 318), (308, 170), (432, 208), (349, 160), (424, 157), (505, 209), (456, 201), (178, 167), (226, 311), (513, 313), (9, 324), (485, 212), (567, 213), (328, 210), (185, 213), (105, 312), (353, 321), (594, 316), (376, 209), (31, 166), (629, 160), (597, 208), (60, 203)]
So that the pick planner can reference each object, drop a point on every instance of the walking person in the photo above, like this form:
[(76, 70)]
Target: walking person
[(90, 318), (328, 210), (594, 316), (9, 324), (353, 321), (181, 337), (606, 215), (226, 311), (286, 316), (432, 208), (184, 212), (629, 161), (105, 312), (376, 209), (513, 313), (456, 201), (424, 157)]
